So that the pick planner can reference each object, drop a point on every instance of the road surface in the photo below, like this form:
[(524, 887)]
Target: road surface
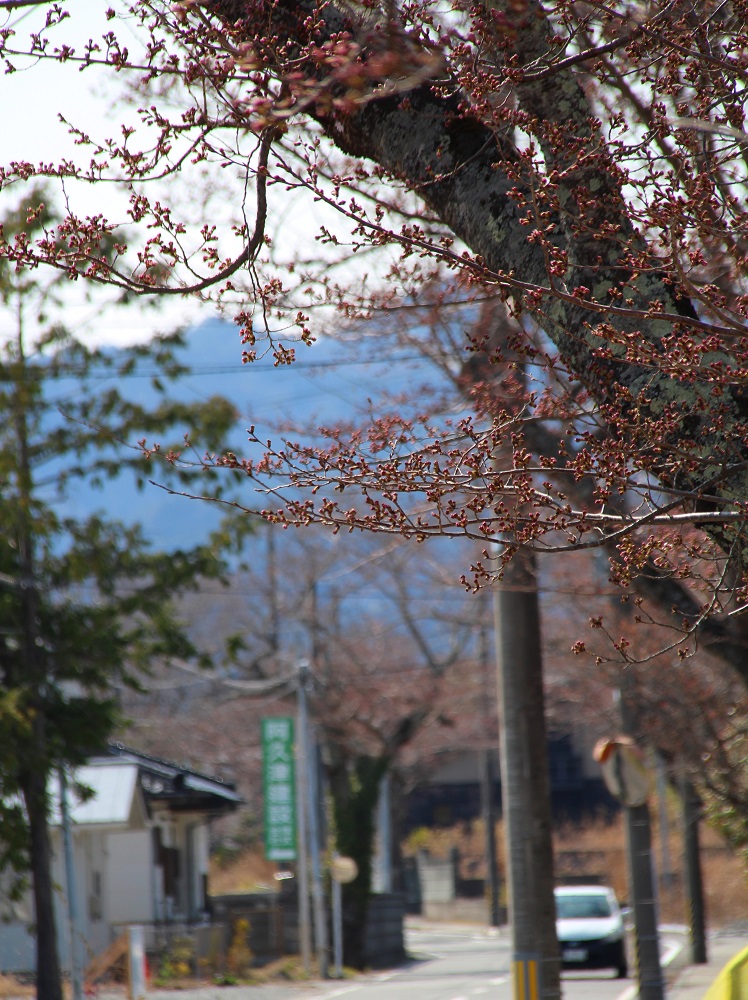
[(448, 963), (455, 963)]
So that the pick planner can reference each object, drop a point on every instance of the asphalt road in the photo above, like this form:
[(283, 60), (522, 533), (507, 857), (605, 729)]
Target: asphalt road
[(454, 963), (448, 963)]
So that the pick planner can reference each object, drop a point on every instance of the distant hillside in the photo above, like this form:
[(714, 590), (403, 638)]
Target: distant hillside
[(330, 383)]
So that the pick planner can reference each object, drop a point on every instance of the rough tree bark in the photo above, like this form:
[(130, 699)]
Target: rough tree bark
[(355, 789), (471, 176)]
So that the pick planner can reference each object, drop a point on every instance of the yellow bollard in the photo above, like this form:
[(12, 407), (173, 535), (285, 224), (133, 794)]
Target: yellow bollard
[(526, 978)]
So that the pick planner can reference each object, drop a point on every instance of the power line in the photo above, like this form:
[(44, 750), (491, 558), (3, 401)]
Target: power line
[(63, 372)]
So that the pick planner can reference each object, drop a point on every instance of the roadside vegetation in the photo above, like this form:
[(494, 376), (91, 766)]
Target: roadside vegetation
[(597, 848)]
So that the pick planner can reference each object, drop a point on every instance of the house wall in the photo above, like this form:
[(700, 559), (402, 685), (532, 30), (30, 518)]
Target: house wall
[(17, 941), (132, 866), (182, 866), (200, 850), (91, 859), (183, 888), (16, 948), (129, 878)]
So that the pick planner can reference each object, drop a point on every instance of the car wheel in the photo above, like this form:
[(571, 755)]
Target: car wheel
[(622, 967)]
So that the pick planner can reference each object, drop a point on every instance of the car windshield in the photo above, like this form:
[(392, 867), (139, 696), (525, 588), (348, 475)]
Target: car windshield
[(582, 907)]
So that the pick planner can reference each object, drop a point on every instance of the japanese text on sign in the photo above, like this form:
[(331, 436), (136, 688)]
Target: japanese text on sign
[(279, 788)]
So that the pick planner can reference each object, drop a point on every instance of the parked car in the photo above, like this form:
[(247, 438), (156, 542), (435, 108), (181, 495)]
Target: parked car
[(589, 927)]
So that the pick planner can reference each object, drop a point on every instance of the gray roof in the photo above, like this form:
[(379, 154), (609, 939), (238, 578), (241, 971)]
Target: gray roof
[(177, 787), (117, 800)]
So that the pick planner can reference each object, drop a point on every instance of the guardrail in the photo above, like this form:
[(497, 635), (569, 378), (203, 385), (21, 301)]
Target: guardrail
[(732, 982)]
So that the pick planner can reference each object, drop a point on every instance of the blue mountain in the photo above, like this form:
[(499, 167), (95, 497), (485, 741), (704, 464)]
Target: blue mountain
[(330, 383)]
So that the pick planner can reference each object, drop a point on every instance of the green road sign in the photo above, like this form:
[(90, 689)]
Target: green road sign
[(279, 787)]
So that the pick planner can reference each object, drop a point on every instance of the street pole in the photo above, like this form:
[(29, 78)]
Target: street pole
[(694, 880), (525, 783), (488, 811), (489, 835), (383, 857), (639, 850), (337, 928), (305, 940), (312, 804), (641, 875), (666, 866), (76, 966)]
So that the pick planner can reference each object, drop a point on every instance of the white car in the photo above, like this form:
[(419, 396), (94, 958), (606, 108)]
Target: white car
[(590, 930)]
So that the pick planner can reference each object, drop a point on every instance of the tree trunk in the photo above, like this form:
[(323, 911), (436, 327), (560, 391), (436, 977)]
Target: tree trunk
[(472, 177), (32, 778), (355, 792), (48, 982)]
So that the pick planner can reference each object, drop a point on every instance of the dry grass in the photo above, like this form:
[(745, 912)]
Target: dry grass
[(597, 850), (10, 988), (247, 872)]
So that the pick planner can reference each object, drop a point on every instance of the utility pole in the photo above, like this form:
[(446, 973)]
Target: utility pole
[(488, 811), (666, 867), (525, 783), (489, 833), (694, 880), (639, 850), (305, 939), (76, 966), (641, 875), (312, 810)]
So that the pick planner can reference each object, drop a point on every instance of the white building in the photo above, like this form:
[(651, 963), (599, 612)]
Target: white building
[(140, 847)]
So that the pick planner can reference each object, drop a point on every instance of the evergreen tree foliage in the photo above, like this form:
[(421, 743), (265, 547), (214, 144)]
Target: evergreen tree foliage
[(85, 602)]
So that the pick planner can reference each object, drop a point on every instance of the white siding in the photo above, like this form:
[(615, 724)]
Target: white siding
[(200, 859), (129, 878), (17, 948), (95, 916)]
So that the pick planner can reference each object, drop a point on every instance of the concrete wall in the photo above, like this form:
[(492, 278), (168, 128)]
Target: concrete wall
[(437, 878), (437, 892)]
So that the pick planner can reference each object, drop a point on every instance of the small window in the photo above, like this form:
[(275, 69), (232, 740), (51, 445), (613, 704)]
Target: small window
[(582, 907)]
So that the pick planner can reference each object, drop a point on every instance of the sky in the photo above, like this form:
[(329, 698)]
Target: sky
[(32, 98), (35, 95)]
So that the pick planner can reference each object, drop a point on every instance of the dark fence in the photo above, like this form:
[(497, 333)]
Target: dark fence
[(274, 925)]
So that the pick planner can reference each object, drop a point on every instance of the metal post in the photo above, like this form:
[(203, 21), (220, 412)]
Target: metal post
[(337, 928), (489, 835), (76, 966), (639, 849), (525, 784), (488, 811), (383, 860), (305, 938), (694, 880), (135, 963), (666, 866), (312, 802), (641, 876)]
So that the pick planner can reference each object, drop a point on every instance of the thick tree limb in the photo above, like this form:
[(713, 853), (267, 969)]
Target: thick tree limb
[(469, 174)]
